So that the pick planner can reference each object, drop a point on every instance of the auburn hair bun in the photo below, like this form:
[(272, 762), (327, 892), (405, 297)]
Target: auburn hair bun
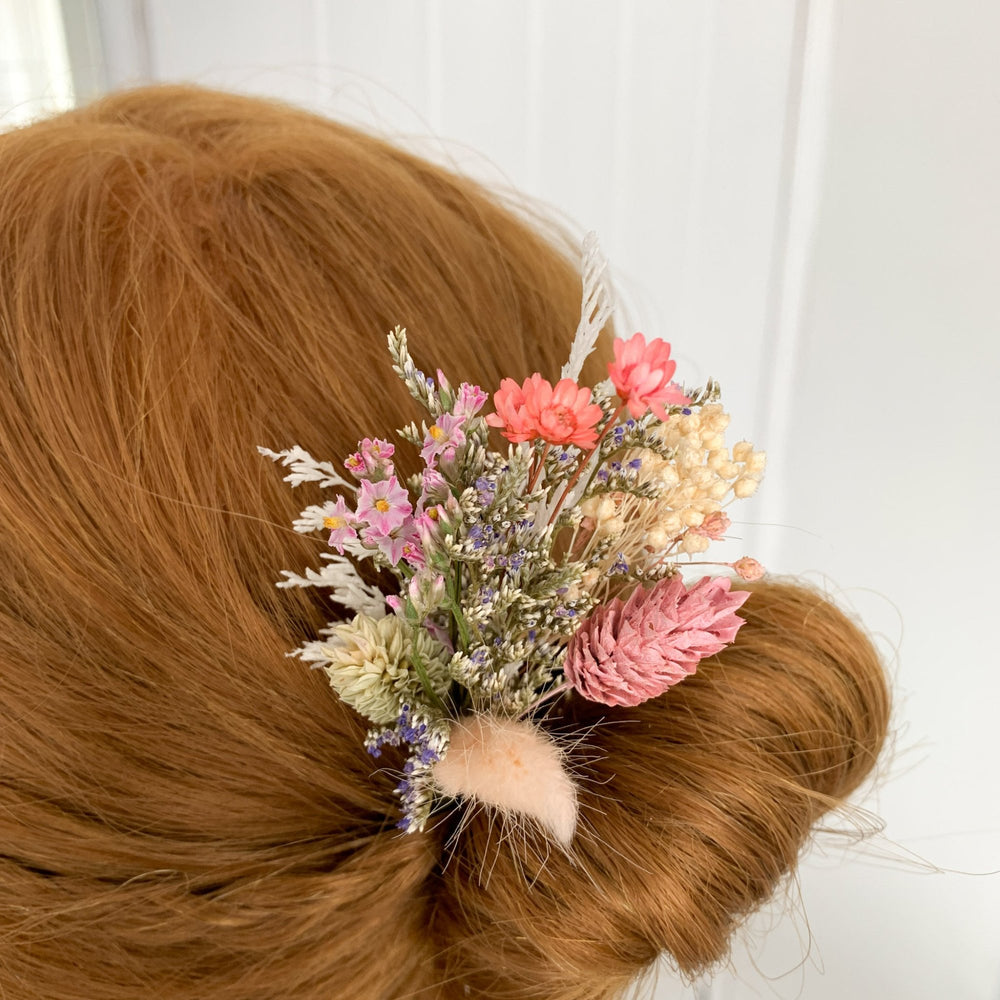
[(693, 807), (184, 811)]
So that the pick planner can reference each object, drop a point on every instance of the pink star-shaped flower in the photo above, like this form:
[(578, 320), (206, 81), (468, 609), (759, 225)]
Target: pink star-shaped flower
[(384, 505), (341, 523)]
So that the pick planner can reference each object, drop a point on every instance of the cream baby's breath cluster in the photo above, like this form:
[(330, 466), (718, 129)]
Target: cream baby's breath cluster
[(681, 490), (547, 567)]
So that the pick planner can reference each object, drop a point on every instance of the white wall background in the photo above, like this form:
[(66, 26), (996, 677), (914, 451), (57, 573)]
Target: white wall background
[(803, 196)]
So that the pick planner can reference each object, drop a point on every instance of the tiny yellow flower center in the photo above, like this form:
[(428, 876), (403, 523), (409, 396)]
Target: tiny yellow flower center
[(436, 432), (382, 505), (333, 523), (433, 513)]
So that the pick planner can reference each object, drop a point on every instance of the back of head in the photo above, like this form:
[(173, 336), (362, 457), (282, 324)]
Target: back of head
[(186, 812)]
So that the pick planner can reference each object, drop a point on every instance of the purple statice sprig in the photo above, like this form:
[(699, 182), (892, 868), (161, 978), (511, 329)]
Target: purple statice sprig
[(559, 464), (426, 741), (514, 579), (710, 392), (436, 395), (635, 434), (621, 477)]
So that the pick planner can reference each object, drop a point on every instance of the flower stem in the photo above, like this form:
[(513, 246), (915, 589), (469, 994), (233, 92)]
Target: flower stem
[(612, 420), (425, 680), (551, 693), (456, 611), (541, 465)]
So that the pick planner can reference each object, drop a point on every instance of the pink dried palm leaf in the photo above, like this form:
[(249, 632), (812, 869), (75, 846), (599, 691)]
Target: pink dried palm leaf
[(626, 652)]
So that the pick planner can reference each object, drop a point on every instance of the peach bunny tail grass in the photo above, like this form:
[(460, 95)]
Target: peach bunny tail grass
[(514, 767)]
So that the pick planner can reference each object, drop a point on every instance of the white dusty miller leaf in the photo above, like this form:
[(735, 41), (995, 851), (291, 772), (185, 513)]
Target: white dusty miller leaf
[(305, 468), (341, 576), (595, 310)]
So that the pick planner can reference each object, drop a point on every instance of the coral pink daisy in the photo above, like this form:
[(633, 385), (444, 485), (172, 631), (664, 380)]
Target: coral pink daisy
[(563, 414), (641, 374), (626, 652), (511, 412)]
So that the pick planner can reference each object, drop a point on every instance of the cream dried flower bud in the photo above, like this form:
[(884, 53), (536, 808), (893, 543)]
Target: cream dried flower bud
[(688, 456), (606, 509), (729, 471), (651, 463), (718, 489), (714, 441), (757, 461), (658, 539), (671, 524), (745, 487), (718, 458), (693, 543), (667, 475), (692, 517), (590, 506), (715, 416), (612, 526), (742, 451)]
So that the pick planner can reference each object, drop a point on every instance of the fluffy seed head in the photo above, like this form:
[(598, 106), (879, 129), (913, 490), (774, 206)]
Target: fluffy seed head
[(514, 767)]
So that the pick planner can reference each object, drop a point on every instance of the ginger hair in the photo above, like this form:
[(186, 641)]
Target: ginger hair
[(187, 813)]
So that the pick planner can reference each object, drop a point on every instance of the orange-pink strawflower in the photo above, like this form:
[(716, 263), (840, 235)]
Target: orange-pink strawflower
[(627, 652), (641, 374), (563, 414), (512, 413)]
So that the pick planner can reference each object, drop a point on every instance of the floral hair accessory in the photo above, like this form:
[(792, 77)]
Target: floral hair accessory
[(548, 567)]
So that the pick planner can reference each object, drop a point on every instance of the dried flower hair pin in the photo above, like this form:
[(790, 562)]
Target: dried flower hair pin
[(510, 565)]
